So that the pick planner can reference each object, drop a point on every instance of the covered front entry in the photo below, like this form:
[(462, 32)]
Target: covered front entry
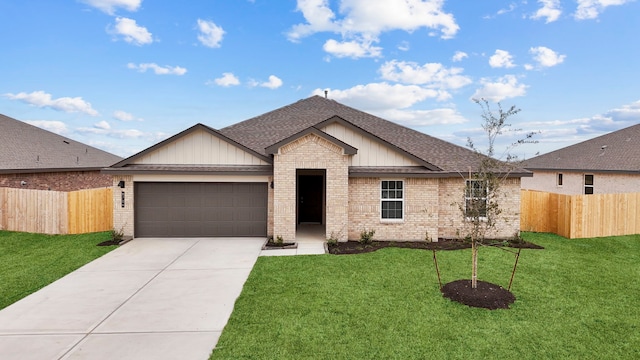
[(310, 196), (181, 209)]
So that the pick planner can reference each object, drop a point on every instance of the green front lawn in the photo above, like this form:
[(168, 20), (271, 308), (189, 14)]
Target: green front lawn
[(29, 262), (576, 299)]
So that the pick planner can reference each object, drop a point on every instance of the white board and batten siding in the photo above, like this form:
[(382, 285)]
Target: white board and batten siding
[(370, 152), (200, 148)]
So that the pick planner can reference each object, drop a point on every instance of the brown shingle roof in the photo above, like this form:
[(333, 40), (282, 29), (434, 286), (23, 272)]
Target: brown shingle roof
[(262, 131), (617, 151), (25, 147)]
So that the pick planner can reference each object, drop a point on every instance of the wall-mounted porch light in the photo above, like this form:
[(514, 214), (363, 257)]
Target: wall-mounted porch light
[(121, 184)]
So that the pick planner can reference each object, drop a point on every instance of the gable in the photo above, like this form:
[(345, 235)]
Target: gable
[(199, 147), (370, 152)]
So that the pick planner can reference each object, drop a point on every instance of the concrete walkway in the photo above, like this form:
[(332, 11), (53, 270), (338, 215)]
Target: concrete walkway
[(149, 299)]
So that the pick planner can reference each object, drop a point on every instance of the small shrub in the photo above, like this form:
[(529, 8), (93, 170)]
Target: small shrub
[(279, 241), (333, 239), (117, 235), (366, 236), (516, 239)]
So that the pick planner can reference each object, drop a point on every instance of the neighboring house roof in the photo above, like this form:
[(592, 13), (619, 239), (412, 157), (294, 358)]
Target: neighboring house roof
[(618, 151), (263, 135), (26, 148)]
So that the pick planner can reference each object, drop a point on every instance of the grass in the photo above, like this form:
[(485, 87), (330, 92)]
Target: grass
[(28, 262), (576, 299)]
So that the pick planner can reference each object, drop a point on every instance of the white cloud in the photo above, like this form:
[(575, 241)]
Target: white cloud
[(432, 75), (459, 56), (381, 96), (512, 6), (504, 88), (102, 125), (404, 46), (57, 127), (550, 10), (132, 33), (157, 69), (125, 116), (110, 6), (365, 20), (273, 83), (210, 34), (413, 118), (630, 112), (501, 59), (44, 100), (227, 79), (353, 49), (591, 9), (116, 133), (545, 57)]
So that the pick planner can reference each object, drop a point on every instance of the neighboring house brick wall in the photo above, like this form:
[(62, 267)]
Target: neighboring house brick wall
[(573, 182), (310, 152), (123, 217), (451, 219), (57, 181), (420, 210)]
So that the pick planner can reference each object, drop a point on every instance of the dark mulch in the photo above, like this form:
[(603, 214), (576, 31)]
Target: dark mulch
[(275, 245), (355, 247), (486, 295), (110, 243)]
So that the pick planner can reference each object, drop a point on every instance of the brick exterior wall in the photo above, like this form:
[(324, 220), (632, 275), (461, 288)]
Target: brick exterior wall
[(451, 221), (57, 181), (310, 152), (270, 208), (123, 216), (430, 210), (420, 210)]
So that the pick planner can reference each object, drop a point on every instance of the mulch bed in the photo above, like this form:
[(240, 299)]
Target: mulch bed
[(110, 243), (355, 247), (486, 295)]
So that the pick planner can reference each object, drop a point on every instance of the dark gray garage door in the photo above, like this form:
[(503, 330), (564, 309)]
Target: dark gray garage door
[(200, 209)]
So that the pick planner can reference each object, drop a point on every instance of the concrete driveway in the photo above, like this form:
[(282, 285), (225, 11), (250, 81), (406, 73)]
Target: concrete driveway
[(148, 299)]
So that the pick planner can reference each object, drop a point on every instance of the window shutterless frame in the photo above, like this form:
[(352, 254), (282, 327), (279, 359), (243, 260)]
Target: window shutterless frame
[(475, 199), (392, 200), (588, 184)]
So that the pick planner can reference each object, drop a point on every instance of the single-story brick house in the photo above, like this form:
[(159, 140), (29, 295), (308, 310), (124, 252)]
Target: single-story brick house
[(34, 158), (313, 161), (606, 164)]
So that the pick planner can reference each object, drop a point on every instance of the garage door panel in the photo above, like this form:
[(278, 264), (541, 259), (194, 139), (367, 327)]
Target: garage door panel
[(200, 209)]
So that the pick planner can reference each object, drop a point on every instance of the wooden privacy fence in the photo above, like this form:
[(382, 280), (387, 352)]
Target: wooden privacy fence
[(580, 216), (56, 212)]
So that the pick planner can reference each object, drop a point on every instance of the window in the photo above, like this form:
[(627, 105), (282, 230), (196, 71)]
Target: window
[(588, 184), (475, 199), (559, 179), (392, 199)]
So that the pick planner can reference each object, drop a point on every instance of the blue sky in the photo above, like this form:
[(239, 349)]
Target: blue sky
[(122, 75)]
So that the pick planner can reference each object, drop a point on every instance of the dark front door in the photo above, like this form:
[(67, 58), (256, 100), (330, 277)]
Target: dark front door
[(310, 198)]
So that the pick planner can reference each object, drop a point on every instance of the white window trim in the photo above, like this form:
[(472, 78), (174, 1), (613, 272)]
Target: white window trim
[(404, 192), (486, 199)]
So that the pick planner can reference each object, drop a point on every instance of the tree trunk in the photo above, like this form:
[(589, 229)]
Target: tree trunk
[(474, 262)]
